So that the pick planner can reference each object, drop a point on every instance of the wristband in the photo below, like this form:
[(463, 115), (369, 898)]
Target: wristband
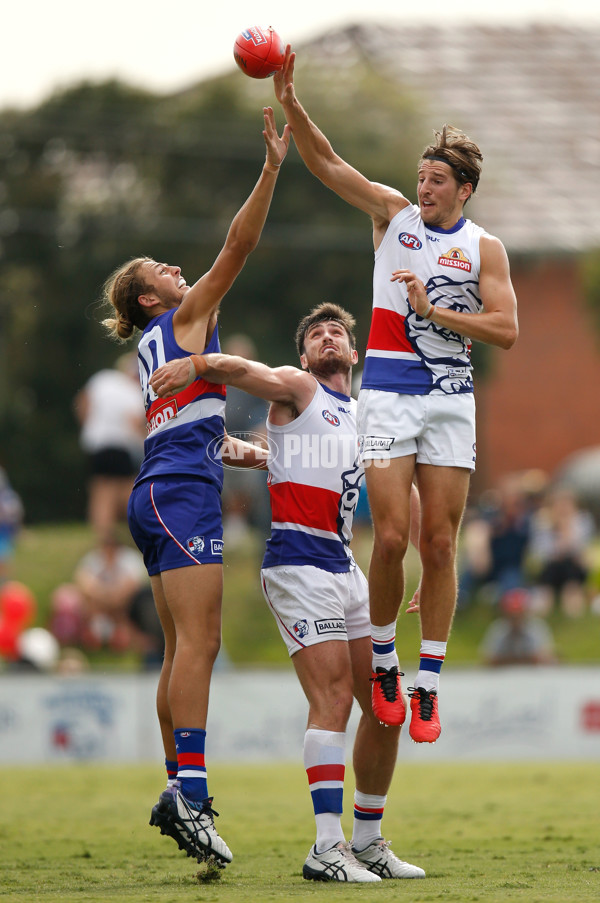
[(429, 313), (198, 363)]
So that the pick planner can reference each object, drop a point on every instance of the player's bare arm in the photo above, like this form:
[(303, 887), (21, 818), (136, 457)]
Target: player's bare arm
[(203, 298), (282, 385), (380, 202), (497, 324)]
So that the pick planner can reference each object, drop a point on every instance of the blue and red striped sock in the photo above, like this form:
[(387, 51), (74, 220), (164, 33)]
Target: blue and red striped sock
[(433, 654), (368, 812), (171, 771), (324, 760), (190, 763)]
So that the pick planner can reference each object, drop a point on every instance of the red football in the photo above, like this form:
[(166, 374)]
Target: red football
[(259, 52)]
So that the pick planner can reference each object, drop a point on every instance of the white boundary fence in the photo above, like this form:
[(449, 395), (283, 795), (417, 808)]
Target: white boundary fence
[(258, 716)]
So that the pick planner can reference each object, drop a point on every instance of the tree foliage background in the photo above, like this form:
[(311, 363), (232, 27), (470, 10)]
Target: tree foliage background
[(100, 173)]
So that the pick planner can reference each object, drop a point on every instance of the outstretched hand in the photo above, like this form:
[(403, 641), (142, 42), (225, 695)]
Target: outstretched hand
[(283, 80), (417, 293), (277, 147)]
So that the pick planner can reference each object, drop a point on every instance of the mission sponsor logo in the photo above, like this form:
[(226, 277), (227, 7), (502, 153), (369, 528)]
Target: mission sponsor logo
[(410, 241), (455, 258), (330, 625)]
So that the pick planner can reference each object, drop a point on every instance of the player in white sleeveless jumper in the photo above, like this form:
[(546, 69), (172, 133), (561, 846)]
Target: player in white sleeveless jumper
[(175, 508), (317, 593), (439, 282)]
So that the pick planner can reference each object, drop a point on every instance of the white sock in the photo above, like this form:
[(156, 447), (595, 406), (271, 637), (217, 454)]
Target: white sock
[(384, 649), (368, 812), (430, 665)]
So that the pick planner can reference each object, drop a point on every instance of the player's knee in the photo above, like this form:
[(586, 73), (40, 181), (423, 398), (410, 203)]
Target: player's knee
[(438, 551), (390, 542), (331, 710)]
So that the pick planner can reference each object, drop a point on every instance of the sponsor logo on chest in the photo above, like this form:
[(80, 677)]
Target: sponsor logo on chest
[(455, 258), (166, 412)]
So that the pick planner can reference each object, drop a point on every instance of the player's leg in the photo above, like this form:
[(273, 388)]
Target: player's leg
[(374, 759), (161, 815), (303, 601), (193, 596), (389, 485), (325, 675), (177, 524), (443, 492), (389, 489), (162, 701)]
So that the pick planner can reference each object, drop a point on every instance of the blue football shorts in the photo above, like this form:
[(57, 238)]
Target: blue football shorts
[(176, 522)]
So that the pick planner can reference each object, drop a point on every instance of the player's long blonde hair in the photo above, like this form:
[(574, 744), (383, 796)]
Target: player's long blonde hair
[(121, 292)]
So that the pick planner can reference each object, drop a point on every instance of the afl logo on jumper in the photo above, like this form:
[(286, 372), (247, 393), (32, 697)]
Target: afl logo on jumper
[(455, 258), (410, 241), (330, 418)]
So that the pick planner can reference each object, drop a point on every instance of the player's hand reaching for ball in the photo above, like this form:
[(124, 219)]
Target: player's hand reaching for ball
[(277, 147), (283, 80), (417, 293)]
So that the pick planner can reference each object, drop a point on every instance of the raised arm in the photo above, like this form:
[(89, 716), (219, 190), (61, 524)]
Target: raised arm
[(203, 298), (497, 324), (378, 201), (283, 385)]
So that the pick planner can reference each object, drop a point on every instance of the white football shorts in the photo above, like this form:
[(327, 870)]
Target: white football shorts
[(311, 605), (438, 429)]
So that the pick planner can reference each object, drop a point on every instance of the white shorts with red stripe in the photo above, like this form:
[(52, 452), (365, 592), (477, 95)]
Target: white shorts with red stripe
[(311, 605)]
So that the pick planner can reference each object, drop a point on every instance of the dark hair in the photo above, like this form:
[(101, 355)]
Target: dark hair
[(121, 292), (460, 153), (325, 311)]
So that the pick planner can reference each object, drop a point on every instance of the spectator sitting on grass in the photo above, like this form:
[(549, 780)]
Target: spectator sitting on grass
[(517, 637)]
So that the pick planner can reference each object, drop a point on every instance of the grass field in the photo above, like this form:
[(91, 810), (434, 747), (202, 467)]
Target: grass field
[(491, 833)]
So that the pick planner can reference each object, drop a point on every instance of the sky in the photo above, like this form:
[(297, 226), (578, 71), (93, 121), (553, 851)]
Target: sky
[(166, 46)]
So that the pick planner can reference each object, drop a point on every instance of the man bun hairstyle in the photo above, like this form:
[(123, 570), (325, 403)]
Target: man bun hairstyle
[(462, 155), (120, 294), (325, 311)]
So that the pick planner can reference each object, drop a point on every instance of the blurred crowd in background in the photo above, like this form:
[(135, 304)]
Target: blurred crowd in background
[(529, 547)]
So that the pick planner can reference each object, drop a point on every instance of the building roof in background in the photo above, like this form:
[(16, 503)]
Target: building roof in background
[(529, 96)]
